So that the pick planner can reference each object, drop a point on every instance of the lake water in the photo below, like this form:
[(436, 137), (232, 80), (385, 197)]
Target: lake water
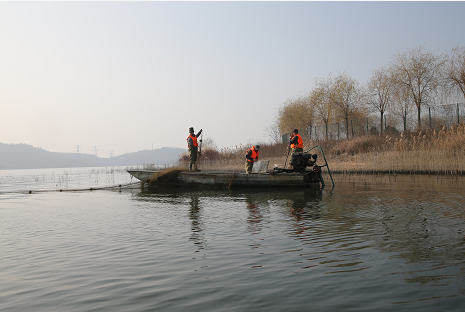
[(373, 243)]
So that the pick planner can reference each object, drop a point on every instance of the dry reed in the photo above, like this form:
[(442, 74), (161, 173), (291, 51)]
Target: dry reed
[(431, 152)]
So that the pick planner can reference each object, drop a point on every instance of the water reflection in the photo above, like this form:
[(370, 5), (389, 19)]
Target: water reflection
[(255, 216), (375, 243), (418, 220), (305, 205), (387, 227), (302, 208), (195, 216)]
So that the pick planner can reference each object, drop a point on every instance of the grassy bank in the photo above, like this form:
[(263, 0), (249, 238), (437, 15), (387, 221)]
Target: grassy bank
[(430, 152)]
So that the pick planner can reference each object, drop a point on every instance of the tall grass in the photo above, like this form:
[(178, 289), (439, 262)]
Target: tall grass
[(438, 152), (433, 152)]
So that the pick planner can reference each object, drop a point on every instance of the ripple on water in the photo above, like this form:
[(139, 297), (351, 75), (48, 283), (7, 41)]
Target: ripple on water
[(351, 249)]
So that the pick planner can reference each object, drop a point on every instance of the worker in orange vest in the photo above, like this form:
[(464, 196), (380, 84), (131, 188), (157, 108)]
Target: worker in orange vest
[(251, 156), (296, 142), (192, 146)]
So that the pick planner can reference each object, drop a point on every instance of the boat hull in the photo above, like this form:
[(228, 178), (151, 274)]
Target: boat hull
[(235, 179)]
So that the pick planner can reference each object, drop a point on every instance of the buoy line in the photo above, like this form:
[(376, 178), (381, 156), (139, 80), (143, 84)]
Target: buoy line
[(131, 185)]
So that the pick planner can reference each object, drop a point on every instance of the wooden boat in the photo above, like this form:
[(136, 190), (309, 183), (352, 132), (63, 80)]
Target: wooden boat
[(223, 179), (305, 173)]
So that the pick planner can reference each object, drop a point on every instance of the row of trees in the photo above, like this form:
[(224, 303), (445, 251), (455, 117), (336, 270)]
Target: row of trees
[(416, 78)]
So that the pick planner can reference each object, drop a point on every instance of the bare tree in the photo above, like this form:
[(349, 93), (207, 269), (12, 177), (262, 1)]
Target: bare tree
[(273, 132), (401, 104), (295, 113), (454, 73), (419, 72), (346, 96), (209, 142), (380, 89), (320, 99)]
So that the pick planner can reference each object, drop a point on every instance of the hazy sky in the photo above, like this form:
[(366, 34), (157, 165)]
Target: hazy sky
[(124, 76)]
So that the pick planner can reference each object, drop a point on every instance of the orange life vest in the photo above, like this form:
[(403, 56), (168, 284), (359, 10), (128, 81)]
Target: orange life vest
[(194, 140), (300, 143), (254, 154)]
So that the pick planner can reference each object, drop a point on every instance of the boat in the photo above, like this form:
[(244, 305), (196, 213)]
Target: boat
[(305, 173), (224, 179)]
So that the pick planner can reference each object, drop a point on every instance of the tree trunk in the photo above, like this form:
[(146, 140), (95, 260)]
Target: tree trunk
[(347, 127), (381, 124), (419, 119)]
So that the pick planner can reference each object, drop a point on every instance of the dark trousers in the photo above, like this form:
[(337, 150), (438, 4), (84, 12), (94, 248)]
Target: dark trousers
[(193, 158), (295, 150), (248, 166)]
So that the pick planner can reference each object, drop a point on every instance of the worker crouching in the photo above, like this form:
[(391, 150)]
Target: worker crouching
[(251, 156)]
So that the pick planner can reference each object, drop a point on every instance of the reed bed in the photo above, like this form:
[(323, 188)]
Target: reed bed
[(431, 152)]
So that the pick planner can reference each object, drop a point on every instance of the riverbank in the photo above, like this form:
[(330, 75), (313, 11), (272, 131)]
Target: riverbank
[(431, 152)]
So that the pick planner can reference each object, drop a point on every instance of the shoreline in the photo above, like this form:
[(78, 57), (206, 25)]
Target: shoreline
[(390, 172)]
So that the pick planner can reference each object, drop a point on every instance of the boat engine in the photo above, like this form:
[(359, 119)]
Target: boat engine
[(300, 161)]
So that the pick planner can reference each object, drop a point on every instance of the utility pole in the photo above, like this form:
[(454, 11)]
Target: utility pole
[(95, 149), (77, 148), (111, 153)]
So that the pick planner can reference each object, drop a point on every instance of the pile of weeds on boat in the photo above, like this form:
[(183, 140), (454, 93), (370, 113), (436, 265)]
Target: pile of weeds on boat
[(164, 176)]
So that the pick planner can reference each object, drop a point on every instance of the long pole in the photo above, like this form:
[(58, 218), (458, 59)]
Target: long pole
[(200, 145), (288, 150), (199, 152)]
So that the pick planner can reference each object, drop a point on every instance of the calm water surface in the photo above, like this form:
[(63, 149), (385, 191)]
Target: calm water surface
[(373, 243)]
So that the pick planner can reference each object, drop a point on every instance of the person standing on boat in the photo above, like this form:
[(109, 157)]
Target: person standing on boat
[(192, 146), (251, 156), (297, 144)]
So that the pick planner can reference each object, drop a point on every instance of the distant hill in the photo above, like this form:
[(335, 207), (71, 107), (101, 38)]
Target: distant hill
[(161, 156), (23, 156)]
